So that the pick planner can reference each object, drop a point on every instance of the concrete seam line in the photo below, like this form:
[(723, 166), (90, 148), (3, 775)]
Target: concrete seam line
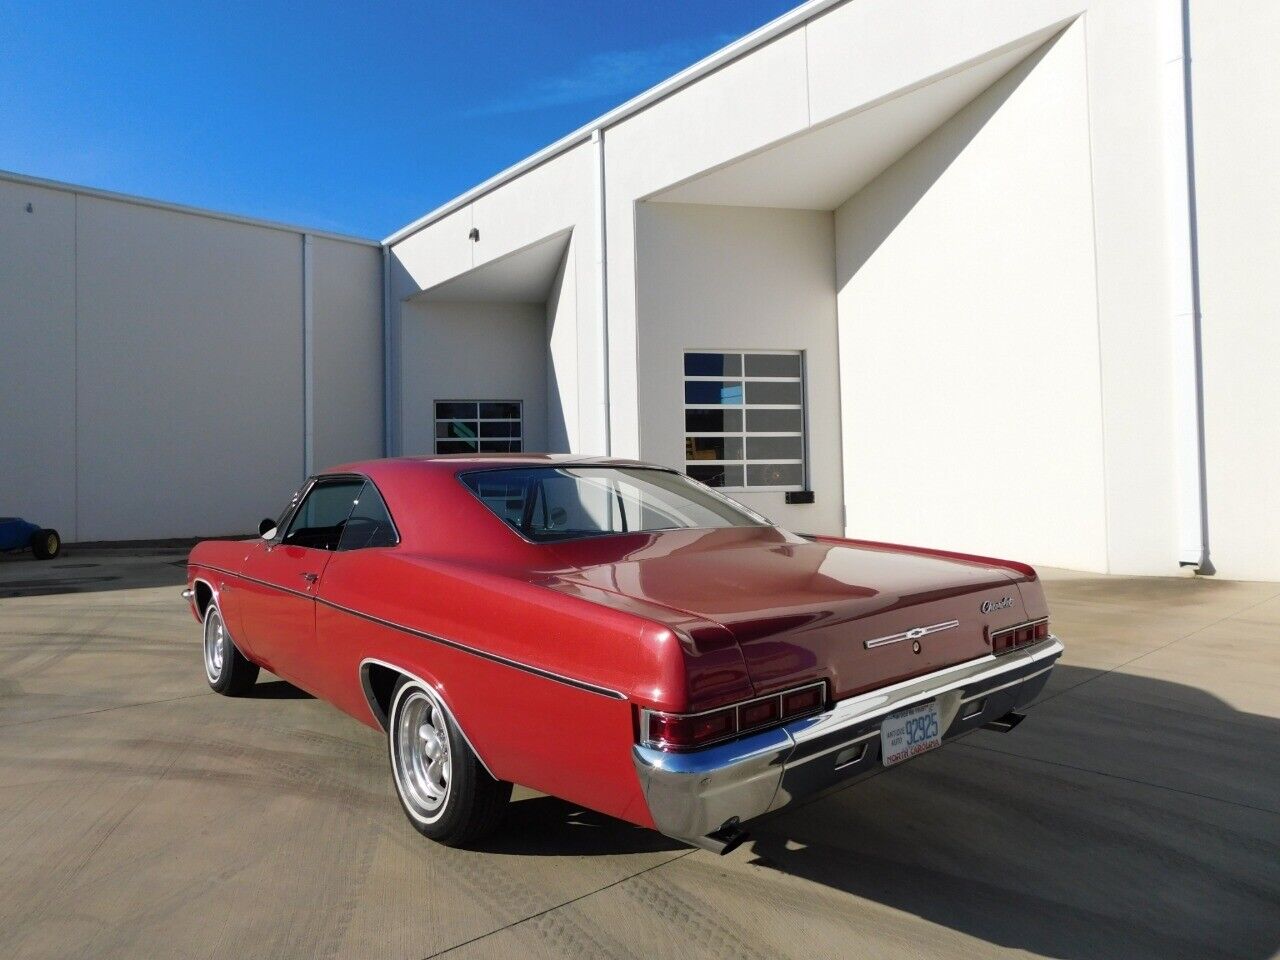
[(572, 900), (122, 706), (1116, 776)]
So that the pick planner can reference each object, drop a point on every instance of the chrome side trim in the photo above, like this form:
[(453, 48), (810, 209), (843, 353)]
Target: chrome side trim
[(915, 633), (443, 641), (363, 670)]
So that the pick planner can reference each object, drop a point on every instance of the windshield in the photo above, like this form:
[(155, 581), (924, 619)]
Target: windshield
[(562, 503)]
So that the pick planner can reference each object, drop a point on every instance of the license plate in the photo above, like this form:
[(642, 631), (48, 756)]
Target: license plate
[(909, 733)]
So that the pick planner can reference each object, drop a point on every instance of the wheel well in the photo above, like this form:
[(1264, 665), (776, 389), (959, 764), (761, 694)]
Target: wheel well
[(204, 596), (379, 684)]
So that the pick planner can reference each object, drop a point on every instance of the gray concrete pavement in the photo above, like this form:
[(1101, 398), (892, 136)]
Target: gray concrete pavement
[(1135, 814)]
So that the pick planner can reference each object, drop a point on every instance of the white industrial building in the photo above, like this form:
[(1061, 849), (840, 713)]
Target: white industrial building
[(988, 275)]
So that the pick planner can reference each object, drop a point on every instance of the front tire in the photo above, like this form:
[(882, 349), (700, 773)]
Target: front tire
[(228, 671), (46, 544), (443, 788)]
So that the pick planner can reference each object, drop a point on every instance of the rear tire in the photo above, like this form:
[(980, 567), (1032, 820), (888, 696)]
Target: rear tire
[(444, 789), (228, 671), (46, 544)]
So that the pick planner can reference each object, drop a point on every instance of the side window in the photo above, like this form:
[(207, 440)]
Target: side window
[(369, 524), (319, 521)]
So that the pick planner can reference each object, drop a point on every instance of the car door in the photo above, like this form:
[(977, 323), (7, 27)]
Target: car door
[(352, 581), (280, 577)]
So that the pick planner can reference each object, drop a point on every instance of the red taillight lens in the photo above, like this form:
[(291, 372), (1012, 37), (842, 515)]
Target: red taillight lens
[(683, 731), (1019, 636), (754, 714), (801, 701), (679, 731)]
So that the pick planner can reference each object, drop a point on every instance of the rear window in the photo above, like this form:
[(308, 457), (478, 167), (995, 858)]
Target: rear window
[(562, 503)]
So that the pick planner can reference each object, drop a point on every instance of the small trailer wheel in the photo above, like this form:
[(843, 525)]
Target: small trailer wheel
[(46, 544)]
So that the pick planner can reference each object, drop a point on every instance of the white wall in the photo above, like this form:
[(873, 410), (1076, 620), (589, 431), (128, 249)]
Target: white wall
[(472, 351), (1236, 80), (968, 331), (38, 356), (716, 277), (549, 200), (152, 364), (347, 359)]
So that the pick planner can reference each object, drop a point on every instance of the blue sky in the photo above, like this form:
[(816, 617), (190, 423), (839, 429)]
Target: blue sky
[(354, 117)]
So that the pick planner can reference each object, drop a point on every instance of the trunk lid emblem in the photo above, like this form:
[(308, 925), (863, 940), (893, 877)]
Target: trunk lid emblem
[(914, 634)]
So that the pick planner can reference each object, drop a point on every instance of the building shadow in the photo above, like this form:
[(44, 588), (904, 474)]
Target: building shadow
[(1036, 841)]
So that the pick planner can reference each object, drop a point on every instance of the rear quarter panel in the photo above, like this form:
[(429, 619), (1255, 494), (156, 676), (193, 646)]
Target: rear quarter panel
[(550, 735)]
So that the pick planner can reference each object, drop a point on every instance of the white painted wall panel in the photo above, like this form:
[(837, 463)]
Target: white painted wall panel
[(190, 372), (968, 332), (472, 351), (347, 361), (1236, 79), (863, 51), (716, 277), (37, 356)]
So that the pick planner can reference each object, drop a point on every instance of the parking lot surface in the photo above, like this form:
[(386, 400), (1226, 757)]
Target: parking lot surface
[(1135, 814)]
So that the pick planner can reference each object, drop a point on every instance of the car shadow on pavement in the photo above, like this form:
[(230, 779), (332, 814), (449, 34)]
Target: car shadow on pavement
[(277, 690), (547, 826), (1130, 817)]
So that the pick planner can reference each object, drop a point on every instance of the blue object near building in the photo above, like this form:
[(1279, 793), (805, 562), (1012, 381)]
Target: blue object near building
[(19, 534)]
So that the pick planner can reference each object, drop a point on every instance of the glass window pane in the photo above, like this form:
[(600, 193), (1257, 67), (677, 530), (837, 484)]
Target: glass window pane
[(369, 524), (712, 365), (457, 429), (500, 428), (499, 410), (716, 475), (713, 421), (318, 522), (570, 502), (774, 448), (499, 446), (773, 392), (455, 446), (775, 421), (713, 448), (713, 391), (774, 474), (773, 364), (456, 409)]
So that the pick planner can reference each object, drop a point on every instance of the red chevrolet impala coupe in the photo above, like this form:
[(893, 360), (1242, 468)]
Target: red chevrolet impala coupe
[(614, 634)]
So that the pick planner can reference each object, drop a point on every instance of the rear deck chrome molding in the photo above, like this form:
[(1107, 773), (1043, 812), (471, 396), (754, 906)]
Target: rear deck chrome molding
[(443, 641), (915, 633)]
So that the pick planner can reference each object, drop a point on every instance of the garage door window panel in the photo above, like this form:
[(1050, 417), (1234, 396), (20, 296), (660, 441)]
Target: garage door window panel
[(744, 419), (479, 426)]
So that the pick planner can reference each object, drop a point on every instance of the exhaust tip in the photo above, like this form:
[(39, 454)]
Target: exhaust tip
[(725, 840), (1006, 723)]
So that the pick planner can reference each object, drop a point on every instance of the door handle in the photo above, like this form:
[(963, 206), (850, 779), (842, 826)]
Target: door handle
[(311, 577)]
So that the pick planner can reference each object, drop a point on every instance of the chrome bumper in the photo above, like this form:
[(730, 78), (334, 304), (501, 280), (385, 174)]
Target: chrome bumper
[(694, 794)]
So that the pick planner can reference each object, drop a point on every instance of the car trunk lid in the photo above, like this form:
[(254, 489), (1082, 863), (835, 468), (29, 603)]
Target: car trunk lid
[(860, 616)]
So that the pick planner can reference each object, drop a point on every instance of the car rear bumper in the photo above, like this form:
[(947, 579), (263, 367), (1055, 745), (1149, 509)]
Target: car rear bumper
[(691, 795)]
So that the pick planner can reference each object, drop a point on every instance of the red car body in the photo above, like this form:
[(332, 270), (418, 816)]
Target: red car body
[(550, 656)]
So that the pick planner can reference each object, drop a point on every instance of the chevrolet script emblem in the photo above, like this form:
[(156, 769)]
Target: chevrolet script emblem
[(991, 606), (915, 633)]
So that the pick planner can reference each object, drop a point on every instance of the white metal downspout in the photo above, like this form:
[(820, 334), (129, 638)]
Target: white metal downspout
[(308, 360), (1181, 243), (388, 359), (602, 287)]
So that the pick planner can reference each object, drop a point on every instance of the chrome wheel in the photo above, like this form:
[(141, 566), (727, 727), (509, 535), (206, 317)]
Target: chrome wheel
[(420, 754), (215, 644)]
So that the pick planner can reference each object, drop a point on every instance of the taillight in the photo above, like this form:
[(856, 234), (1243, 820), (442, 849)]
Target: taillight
[(686, 731), (1020, 635)]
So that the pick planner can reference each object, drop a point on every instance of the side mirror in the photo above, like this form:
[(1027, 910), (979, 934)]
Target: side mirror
[(267, 529)]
